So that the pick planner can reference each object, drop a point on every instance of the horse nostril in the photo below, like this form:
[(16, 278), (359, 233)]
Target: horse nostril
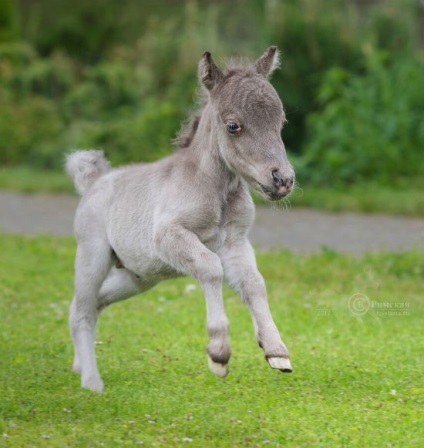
[(276, 177), (280, 181)]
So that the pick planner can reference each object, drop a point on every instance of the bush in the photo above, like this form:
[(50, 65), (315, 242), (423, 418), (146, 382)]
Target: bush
[(370, 127), (23, 73), (130, 98), (310, 43), (30, 133), (9, 27), (142, 135)]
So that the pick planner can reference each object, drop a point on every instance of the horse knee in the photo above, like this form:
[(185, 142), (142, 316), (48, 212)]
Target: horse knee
[(210, 271)]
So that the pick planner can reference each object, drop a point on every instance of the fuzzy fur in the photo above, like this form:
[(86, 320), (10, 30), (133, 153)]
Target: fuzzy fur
[(84, 167), (186, 214)]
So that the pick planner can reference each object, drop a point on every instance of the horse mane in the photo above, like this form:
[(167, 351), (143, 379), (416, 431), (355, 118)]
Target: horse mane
[(189, 127)]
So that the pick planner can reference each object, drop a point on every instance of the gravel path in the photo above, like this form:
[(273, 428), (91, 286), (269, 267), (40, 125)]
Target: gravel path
[(300, 230)]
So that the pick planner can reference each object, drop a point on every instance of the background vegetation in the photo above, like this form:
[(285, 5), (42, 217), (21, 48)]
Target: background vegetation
[(122, 76), (357, 381)]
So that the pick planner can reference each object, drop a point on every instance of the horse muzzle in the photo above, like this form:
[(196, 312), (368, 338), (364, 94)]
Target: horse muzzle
[(282, 185)]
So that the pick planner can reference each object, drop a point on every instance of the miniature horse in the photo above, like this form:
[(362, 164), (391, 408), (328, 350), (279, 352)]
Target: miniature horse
[(186, 214)]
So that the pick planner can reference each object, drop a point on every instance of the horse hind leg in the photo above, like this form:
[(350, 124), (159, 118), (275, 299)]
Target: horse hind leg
[(92, 263)]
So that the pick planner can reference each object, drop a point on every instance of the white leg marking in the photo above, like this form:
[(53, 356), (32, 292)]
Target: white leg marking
[(220, 370)]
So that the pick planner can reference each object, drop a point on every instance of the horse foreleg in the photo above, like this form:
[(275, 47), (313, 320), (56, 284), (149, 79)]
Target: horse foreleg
[(184, 251), (240, 269)]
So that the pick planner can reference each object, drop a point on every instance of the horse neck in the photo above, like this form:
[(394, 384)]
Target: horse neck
[(205, 149)]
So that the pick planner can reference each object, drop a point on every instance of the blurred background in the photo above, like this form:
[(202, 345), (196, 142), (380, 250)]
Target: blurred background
[(121, 76)]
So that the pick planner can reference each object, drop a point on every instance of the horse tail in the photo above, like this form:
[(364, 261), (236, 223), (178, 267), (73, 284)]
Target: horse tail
[(84, 167)]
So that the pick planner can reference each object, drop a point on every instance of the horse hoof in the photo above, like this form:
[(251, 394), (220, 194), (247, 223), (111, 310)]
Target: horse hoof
[(282, 364), (218, 369), (93, 383)]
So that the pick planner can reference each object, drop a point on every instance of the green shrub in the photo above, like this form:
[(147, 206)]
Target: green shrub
[(51, 78), (122, 77), (316, 35), (30, 133), (395, 26), (310, 43), (84, 102), (371, 127), (9, 26), (23, 73), (105, 89), (117, 81), (143, 135), (86, 30)]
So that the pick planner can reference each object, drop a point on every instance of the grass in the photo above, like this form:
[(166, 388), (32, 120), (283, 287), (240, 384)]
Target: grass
[(31, 180), (357, 380), (405, 200)]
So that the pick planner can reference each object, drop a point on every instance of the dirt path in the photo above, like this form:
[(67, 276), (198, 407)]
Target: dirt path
[(300, 230)]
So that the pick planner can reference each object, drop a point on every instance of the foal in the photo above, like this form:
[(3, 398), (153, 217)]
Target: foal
[(187, 214)]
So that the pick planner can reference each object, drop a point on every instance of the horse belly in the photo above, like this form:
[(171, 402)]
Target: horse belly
[(155, 270), (136, 255), (149, 269)]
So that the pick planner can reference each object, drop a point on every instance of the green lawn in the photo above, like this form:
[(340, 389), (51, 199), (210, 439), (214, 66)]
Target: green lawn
[(363, 198), (357, 381), (26, 180)]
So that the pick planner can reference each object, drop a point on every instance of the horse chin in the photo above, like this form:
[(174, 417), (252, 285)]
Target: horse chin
[(275, 197), (268, 193)]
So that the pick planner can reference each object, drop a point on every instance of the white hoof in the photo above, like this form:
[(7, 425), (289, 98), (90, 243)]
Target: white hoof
[(220, 370), (282, 364), (93, 383)]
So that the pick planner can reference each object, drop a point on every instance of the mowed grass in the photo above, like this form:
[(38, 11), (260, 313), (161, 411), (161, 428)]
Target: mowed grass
[(357, 381)]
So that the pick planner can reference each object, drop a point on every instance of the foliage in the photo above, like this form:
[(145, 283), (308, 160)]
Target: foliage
[(371, 126), (9, 27), (356, 380), (123, 77), (25, 124), (307, 40)]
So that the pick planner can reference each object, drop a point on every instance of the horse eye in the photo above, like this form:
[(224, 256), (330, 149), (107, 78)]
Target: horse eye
[(233, 127)]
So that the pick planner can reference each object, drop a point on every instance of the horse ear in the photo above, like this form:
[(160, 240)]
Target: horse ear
[(209, 73), (268, 62)]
